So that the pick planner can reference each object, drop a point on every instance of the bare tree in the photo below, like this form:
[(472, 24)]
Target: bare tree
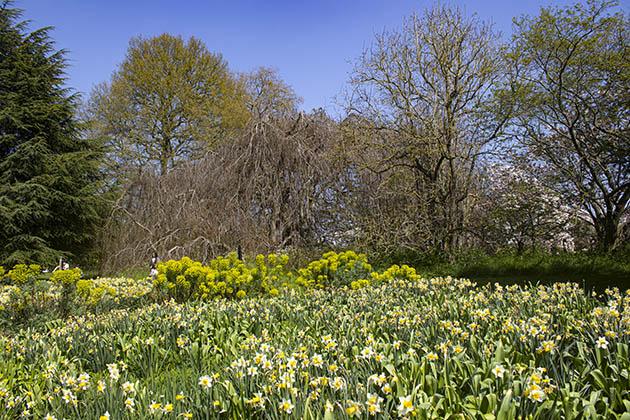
[(423, 97), (273, 186), (268, 96)]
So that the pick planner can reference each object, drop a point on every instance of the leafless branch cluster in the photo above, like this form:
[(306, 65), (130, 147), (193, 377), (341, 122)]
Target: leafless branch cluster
[(272, 187)]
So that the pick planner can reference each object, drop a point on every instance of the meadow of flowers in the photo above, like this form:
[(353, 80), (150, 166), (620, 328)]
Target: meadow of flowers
[(332, 340)]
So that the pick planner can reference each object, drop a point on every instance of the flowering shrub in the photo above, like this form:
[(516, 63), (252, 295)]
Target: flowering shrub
[(186, 279), (334, 269), (24, 293), (271, 273), (22, 274), (223, 277), (396, 272), (66, 277)]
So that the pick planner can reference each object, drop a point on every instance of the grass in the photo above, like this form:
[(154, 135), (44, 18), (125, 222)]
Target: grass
[(592, 271)]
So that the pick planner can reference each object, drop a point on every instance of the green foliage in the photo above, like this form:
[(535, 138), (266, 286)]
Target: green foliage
[(198, 101), (223, 277), (49, 175), (334, 270), (596, 271), (22, 274)]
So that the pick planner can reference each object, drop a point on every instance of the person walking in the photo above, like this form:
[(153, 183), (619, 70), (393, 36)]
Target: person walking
[(153, 265)]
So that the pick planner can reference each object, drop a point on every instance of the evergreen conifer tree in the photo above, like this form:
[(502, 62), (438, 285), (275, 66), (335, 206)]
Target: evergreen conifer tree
[(49, 174)]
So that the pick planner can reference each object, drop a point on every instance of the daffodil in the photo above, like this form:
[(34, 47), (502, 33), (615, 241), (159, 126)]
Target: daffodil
[(338, 383), (353, 409), (406, 405), (286, 406), (498, 371), (602, 343), (205, 381)]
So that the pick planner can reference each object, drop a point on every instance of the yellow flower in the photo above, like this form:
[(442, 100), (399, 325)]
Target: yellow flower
[(129, 404), (338, 383), (128, 387), (406, 405), (205, 381), (602, 343), (257, 400), (317, 360), (535, 393), (100, 386), (154, 406), (286, 406), (353, 409), (546, 346), (182, 341), (498, 371)]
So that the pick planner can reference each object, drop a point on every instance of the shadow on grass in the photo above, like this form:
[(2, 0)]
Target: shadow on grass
[(592, 271)]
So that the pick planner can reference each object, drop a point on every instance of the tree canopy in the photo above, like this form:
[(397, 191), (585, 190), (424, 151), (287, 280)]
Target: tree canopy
[(49, 175), (168, 100), (570, 74)]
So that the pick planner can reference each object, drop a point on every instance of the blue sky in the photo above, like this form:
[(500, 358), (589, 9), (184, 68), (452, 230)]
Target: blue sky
[(310, 43)]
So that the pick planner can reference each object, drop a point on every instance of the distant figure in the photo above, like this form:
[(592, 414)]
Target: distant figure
[(63, 265), (154, 260)]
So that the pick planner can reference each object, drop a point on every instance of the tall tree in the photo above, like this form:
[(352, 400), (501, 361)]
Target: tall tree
[(571, 78), (49, 175), (268, 96), (422, 96), (167, 101)]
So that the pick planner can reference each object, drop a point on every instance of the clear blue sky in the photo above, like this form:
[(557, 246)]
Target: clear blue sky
[(311, 43)]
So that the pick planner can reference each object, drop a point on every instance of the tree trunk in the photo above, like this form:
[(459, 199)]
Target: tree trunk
[(607, 229)]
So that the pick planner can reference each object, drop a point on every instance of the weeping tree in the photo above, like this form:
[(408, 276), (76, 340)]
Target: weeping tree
[(273, 185)]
